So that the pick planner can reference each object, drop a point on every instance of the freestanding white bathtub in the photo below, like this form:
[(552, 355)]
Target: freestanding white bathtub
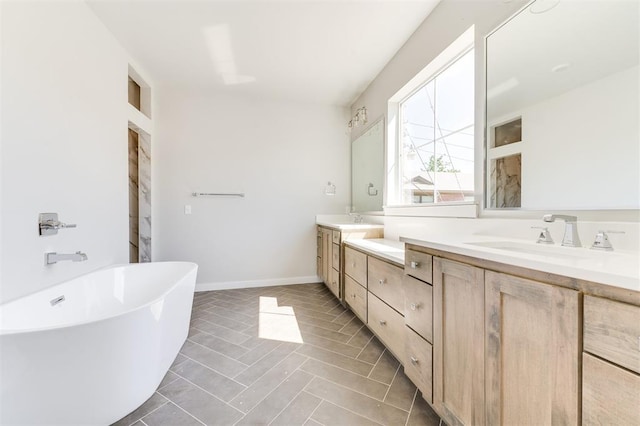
[(97, 355)]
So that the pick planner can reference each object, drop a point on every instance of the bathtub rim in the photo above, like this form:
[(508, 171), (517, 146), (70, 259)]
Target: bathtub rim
[(11, 332)]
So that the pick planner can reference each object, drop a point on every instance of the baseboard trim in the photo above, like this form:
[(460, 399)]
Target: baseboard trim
[(228, 285)]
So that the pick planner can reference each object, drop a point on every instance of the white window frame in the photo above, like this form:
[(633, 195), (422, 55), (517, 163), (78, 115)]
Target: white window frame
[(393, 180)]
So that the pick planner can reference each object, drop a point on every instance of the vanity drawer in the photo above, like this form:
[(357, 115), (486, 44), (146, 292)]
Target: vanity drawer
[(418, 306), (418, 364), (334, 282), (355, 265), (612, 331), (387, 324), (610, 394), (385, 281), (356, 297), (419, 265), (335, 257), (336, 237)]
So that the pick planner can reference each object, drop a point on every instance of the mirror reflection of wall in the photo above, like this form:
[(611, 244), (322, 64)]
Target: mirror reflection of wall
[(566, 74), (367, 169)]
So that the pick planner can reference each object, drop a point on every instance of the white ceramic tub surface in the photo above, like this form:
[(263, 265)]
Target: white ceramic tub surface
[(100, 353)]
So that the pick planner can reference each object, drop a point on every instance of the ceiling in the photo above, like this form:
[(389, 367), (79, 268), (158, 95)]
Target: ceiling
[(310, 51)]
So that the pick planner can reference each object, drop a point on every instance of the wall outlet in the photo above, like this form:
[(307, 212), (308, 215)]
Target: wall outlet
[(187, 209)]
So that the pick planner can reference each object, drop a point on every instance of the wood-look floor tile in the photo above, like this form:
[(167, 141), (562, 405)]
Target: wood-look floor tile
[(266, 363), (212, 359), (422, 414), (200, 404), (277, 400), (385, 370), (219, 345), (298, 411), (322, 332), (347, 379), (168, 378), (401, 392), (214, 383), (356, 402), (220, 331), (331, 345), (372, 351), (361, 337), (252, 356), (335, 359), (149, 405), (170, 415), (331, 414), (252, 396)]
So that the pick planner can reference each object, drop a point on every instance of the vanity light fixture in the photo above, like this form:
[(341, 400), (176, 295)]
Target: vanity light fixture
[(359, 119)]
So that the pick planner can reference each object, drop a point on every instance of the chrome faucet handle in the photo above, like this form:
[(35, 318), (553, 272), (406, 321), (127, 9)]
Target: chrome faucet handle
[(545, 235), (570, 238), (602, 242), (48, 224)]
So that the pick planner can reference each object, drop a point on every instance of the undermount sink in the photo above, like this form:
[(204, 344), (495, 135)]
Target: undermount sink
[(534, 249)]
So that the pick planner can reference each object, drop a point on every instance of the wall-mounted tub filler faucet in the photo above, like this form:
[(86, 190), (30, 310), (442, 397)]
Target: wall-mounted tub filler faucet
[(571, 238), (52, 257), (48, 224)]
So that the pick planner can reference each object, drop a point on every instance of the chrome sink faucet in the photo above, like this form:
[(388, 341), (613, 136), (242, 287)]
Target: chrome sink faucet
[(571, 238), (52, 257), (357, 218)]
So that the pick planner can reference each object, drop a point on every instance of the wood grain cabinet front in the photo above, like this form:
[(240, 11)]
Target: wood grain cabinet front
[(355, 265), (356, 297), (385, 281), (387, 324), (418, 265), (610, 394), (532, 351), (418, 364), (612, 331), (418, 306)]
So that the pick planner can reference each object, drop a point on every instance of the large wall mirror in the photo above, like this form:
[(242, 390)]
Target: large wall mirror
[(562, 107), (367, 169)]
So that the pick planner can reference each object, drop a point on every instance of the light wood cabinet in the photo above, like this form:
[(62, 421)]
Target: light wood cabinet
[(418, 306), (325, 272), (611, 383), (612, 331), (388, 324), (458, 342), (610, 394), (419, 363), (355, 265), (356, 297), (418, 265), (532, 352), (385, 281)]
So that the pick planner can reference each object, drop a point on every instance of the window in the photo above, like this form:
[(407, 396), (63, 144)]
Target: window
[(434, 142)]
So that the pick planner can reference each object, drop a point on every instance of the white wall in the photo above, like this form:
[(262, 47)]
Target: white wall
[(64, 142), (571, 160), (280, 154)]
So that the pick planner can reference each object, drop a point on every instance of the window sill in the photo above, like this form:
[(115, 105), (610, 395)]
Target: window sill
[(460, 210)]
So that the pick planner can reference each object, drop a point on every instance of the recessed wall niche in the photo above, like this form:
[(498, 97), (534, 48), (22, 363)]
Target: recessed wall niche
[(139, 149), (504, 156)]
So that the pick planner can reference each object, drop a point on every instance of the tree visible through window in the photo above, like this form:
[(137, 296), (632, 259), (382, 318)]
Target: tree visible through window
[(436, 137)]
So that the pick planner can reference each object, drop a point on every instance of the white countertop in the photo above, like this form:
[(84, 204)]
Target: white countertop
[(347, 226), (617, 268), (391, 250)]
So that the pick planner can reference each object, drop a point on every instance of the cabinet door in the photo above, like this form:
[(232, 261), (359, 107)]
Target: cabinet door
[(326, 255), (458, 342), (532, 352)]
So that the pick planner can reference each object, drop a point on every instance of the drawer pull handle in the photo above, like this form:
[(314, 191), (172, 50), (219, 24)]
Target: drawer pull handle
[(382, 281), (414, 360), (353, 264), (414, 306), (414, 264), (353, 295), (383, 322)]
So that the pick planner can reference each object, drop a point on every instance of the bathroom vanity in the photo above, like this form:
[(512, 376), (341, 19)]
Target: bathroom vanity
[(492, 334), (329, 260)]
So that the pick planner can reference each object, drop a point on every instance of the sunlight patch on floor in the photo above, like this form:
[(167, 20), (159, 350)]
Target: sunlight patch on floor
[(277, 322)]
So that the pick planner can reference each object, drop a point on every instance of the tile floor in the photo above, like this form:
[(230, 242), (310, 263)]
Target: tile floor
[(228, 373)]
